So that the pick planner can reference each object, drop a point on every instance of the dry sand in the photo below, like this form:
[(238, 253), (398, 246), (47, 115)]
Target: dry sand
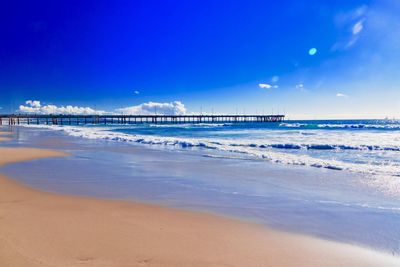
[(46, 229)]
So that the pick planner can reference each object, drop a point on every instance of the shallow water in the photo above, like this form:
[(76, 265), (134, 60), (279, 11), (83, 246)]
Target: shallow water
[(333, 204), (371, 148)]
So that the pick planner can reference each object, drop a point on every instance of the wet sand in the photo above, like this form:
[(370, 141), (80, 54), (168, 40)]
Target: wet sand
[(45, 229), (4, 136)]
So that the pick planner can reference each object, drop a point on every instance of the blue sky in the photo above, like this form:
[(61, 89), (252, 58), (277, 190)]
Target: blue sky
[(225, 56)]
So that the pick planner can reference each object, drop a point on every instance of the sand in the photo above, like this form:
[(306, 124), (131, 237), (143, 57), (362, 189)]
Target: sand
[(10, 155), (4, 136), (45, 229)]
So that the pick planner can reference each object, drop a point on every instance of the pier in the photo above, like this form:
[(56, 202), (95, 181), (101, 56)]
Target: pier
[(18, 119)]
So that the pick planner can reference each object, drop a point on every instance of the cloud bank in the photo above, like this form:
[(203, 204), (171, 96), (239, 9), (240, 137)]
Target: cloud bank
[(150, 108), (172, 108), (35, 107)]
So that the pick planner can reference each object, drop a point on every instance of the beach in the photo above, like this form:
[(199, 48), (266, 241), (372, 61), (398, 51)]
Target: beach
[(47, 229), (200, 133)]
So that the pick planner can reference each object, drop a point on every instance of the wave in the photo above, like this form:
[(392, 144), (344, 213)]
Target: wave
[(272, 152), (181, 125), (362, 205), (387, 126), (315, 146), (293, 125), (378, 173)]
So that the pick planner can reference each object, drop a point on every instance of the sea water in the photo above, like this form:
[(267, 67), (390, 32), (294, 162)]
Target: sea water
[(370, 147), (334, 179)]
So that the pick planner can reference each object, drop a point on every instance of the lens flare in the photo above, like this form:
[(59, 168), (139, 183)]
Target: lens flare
[(312, 51)]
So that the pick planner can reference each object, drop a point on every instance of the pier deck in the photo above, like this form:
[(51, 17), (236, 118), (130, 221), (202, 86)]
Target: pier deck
[(17, 119)]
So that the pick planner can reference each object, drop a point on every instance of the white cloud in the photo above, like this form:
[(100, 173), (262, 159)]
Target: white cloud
[(136, 92), (355, 30), (172, 108), (34, 106), (353, 23), (264, 86), (358, 27), (341, 95), (33, 103)]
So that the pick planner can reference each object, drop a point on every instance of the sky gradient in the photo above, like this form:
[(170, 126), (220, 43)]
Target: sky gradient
[(307, 59)]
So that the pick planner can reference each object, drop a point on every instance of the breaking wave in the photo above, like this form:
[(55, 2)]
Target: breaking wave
[(390, 126)]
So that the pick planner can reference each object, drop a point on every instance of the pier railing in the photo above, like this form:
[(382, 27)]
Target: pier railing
[(17, 119)]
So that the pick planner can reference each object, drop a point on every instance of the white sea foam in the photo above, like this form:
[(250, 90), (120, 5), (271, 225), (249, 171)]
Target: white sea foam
[(393, 126)]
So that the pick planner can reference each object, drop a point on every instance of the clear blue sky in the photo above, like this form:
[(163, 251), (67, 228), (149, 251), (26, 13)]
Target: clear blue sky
[(209, 54)]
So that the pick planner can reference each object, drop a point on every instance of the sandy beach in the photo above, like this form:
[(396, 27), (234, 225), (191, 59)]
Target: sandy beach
[(45, 229)]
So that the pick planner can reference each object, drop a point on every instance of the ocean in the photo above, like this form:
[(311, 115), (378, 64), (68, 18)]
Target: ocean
[(370, 147), (338, 180)]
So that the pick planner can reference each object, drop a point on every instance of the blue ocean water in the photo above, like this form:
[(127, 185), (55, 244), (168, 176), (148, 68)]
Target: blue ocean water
[(370, 147)]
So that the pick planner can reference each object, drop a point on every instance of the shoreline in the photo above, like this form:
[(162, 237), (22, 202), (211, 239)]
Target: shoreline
[(42, 229)]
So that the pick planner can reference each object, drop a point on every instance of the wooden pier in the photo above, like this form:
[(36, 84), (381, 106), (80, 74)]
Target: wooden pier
[(17, 119)]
